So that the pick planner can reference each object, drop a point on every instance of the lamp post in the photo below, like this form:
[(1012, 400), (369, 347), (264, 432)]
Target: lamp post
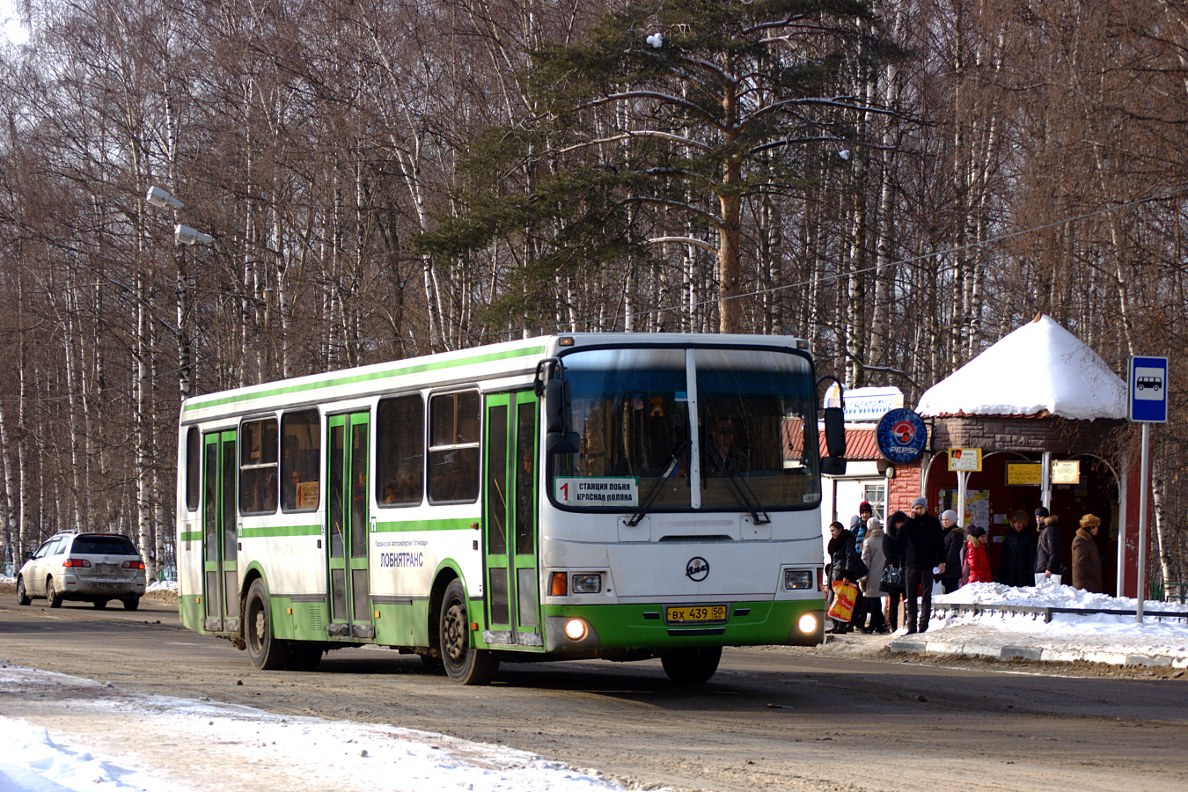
[(182, 235)]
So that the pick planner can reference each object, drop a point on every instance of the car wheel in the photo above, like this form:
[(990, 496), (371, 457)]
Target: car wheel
[(22, 595), (101, 604), (462, 661), (264, 650), (51, 594), (131, 603)]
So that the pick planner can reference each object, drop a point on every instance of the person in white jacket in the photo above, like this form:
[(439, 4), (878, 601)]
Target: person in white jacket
[(872, 584)]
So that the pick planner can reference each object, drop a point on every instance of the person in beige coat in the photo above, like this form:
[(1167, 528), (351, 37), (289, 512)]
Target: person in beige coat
[(1086, 558)]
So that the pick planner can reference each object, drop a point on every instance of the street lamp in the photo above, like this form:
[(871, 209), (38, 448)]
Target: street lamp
[(182, 235), (163, 199)]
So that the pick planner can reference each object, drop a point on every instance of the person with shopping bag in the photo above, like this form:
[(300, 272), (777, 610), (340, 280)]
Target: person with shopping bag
[(845, 570)]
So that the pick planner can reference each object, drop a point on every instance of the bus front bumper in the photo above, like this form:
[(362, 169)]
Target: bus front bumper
[(601, 630)]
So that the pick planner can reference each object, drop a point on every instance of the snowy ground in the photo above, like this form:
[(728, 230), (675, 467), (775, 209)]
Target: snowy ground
[(313, 753)]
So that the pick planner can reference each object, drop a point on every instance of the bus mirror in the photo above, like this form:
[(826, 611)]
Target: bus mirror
[(833, 466), (562, 443), (556, 405), (835, 441)]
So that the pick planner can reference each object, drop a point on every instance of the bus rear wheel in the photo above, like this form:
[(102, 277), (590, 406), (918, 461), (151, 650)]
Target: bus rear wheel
[(462, 661), (692, 666), (264, 650)]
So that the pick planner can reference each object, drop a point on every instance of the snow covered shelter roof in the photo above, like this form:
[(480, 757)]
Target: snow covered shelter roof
[(1037, 370)]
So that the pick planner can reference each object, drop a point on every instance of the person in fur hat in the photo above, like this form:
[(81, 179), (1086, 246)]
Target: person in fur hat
[(1086, 558)]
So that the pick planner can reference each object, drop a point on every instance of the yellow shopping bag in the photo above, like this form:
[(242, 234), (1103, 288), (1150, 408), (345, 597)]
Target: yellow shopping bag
[(844, 597)]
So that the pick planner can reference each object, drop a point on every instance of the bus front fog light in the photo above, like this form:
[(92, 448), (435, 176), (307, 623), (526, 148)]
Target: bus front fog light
[(575, 629), (798, 579), (587, 584), (808, 623)]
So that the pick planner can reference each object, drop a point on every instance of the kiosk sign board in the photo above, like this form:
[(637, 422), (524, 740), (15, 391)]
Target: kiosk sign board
[(1147, 390)]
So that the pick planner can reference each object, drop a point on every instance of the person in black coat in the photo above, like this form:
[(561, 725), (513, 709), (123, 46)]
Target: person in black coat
[(1047, 551), (894, 557), (1017, 565), (954, 545), (922, 543), (843, 563)]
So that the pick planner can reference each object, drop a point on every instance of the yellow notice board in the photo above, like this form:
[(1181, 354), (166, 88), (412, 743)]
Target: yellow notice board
[(1023, 474)]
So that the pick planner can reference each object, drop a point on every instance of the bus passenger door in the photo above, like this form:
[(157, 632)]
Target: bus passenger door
[(510, 519), (220, 591), (347, 525)]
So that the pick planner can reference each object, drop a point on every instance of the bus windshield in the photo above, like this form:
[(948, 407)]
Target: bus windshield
[(712, 428)]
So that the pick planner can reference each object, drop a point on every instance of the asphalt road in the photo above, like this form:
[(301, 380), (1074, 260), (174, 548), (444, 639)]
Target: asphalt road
[(772, 718)]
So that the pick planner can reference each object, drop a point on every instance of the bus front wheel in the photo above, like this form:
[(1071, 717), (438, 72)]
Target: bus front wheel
[(264, 650), (462, 661), (692, 666)]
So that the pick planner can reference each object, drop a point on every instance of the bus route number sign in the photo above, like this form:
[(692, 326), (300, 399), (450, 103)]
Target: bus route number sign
[(614, 491)]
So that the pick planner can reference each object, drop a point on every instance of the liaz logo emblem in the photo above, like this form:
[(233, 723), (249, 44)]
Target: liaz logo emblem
[(697, 569)]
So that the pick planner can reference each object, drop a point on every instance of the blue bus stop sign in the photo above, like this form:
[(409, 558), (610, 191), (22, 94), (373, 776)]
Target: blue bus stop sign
[(1147, 389)]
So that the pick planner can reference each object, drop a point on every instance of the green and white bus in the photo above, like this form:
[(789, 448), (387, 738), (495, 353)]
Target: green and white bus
[(617, 496)]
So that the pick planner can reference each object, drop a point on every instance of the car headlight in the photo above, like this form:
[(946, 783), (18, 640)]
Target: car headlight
[(798, 579), (587, 583)]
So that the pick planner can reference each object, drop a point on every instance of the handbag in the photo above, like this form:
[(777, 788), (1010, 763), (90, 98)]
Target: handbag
[(892, 577)]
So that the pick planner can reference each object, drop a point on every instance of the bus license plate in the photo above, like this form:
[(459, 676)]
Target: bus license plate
[(695, 614)]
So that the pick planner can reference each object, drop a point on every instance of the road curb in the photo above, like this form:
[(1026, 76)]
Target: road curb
[(940, 646)]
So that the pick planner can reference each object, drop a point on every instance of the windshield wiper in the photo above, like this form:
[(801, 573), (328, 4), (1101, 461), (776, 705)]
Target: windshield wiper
[(741, 488), (653, 492)]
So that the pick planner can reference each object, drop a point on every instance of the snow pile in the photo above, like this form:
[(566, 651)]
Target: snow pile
[(1041, 367), (1098, 637)]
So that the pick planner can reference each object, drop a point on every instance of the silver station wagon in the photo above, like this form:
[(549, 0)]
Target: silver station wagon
[(89, 567)]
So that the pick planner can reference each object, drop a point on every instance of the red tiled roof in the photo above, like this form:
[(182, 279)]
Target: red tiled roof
[(860, 443)]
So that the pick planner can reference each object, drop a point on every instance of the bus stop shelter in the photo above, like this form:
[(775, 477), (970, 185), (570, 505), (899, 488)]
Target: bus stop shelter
[(1039, 419)]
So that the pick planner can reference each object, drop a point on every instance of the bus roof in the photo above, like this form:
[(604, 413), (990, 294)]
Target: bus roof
[(509, 359)]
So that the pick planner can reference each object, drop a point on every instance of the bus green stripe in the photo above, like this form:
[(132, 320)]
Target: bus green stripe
[(409, 526), (272, 531), (191, 536), (399, 371)]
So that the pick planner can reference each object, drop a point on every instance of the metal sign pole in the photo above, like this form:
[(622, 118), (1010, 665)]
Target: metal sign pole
[(1144, 473)]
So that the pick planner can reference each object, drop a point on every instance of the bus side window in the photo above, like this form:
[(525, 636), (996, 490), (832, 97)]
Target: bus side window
[(300, 453), (454, 421), (400, 450), (193, 468), (257, 467)]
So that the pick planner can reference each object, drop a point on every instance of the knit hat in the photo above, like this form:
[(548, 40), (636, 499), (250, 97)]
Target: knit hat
[(920, 502), (873, 524), (949, 514), (864, 506), (1041, 512)]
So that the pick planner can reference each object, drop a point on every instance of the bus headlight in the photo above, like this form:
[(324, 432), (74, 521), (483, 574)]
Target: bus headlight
[(576, 629), (808, 623), (589, 583), (798, 579)]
